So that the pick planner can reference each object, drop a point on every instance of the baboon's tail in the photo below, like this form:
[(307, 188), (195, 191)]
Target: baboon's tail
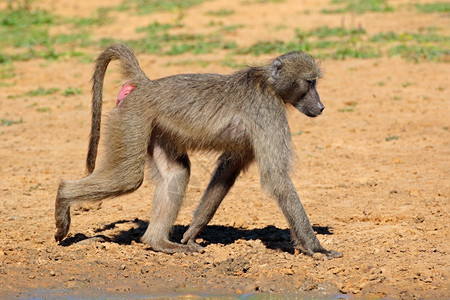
[(131, 71)]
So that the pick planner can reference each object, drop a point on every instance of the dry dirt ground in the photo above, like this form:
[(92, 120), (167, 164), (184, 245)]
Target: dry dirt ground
[(372, 172)]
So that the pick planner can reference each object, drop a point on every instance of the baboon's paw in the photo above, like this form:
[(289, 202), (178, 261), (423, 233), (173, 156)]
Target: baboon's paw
[(190, 235), (171, 247), (333, 254), (195, 247)]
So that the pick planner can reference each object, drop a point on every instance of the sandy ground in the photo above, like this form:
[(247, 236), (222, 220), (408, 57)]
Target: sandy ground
[(374, 180)]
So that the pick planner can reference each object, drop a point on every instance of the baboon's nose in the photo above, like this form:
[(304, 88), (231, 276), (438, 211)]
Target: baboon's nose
[(320, 106)]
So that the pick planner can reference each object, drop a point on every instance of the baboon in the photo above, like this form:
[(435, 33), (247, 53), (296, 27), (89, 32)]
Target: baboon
[(242, 115)]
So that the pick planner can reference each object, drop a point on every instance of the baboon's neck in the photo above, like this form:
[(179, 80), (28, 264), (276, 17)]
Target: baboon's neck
[(256, 77)]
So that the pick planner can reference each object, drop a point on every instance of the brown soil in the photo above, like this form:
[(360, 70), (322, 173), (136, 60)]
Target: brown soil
[(374, 181)]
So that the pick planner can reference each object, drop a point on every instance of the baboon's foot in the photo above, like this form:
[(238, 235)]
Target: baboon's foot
[(317, 248), (61, 231), (329, 253), (332, 254), (171, 247)]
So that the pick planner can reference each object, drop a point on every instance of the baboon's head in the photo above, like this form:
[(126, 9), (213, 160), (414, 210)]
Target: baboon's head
[(294, 80)]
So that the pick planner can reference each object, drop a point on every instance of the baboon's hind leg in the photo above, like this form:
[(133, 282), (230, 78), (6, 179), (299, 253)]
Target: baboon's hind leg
[(171, 173), (121, 172)]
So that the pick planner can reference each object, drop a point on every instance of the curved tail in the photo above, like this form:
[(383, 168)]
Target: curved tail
[(130, 70)]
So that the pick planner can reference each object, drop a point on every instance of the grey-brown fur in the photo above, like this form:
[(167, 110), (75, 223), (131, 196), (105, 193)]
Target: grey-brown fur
[(242, 115)]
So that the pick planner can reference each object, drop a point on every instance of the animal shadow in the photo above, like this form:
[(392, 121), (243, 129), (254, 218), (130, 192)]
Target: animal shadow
[(271, 236)]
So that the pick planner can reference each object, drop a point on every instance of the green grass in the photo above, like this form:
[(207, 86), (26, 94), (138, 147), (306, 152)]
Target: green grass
[(297, 133), (392, 138), (270, 1), (349, 107), (28, 31), (40, 91), (71, 91), (25, 34), (152, 6), (390, 36), (354, 50), (200, 46), (322, 42), (100, 18), (221, 12), (424, 45), (231, 28), (22, 17), (43, 109), (81, 39), (342, 43), (155, 28), (8, 122), (418, 53), (437, 7), (406, 84), (325, 31), (230, 61), (159, 40), (7, 71), (23, 28), (359, 6)]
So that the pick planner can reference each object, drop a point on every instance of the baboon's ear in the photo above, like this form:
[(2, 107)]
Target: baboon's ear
[(275, 69)]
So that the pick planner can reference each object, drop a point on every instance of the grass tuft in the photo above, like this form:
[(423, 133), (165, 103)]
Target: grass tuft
[(436, 7)]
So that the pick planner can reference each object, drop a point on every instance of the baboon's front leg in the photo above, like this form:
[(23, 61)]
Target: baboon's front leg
[(224, 176), (302, 232)]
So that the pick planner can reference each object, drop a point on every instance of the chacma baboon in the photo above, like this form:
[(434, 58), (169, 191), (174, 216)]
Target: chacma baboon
[(242, 115)]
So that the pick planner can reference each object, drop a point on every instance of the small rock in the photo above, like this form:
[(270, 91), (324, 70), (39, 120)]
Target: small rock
[(414, 193), (419, 219), (288, 272)]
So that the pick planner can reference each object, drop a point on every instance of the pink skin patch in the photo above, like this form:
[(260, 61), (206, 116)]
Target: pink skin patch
[(126, 89)]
